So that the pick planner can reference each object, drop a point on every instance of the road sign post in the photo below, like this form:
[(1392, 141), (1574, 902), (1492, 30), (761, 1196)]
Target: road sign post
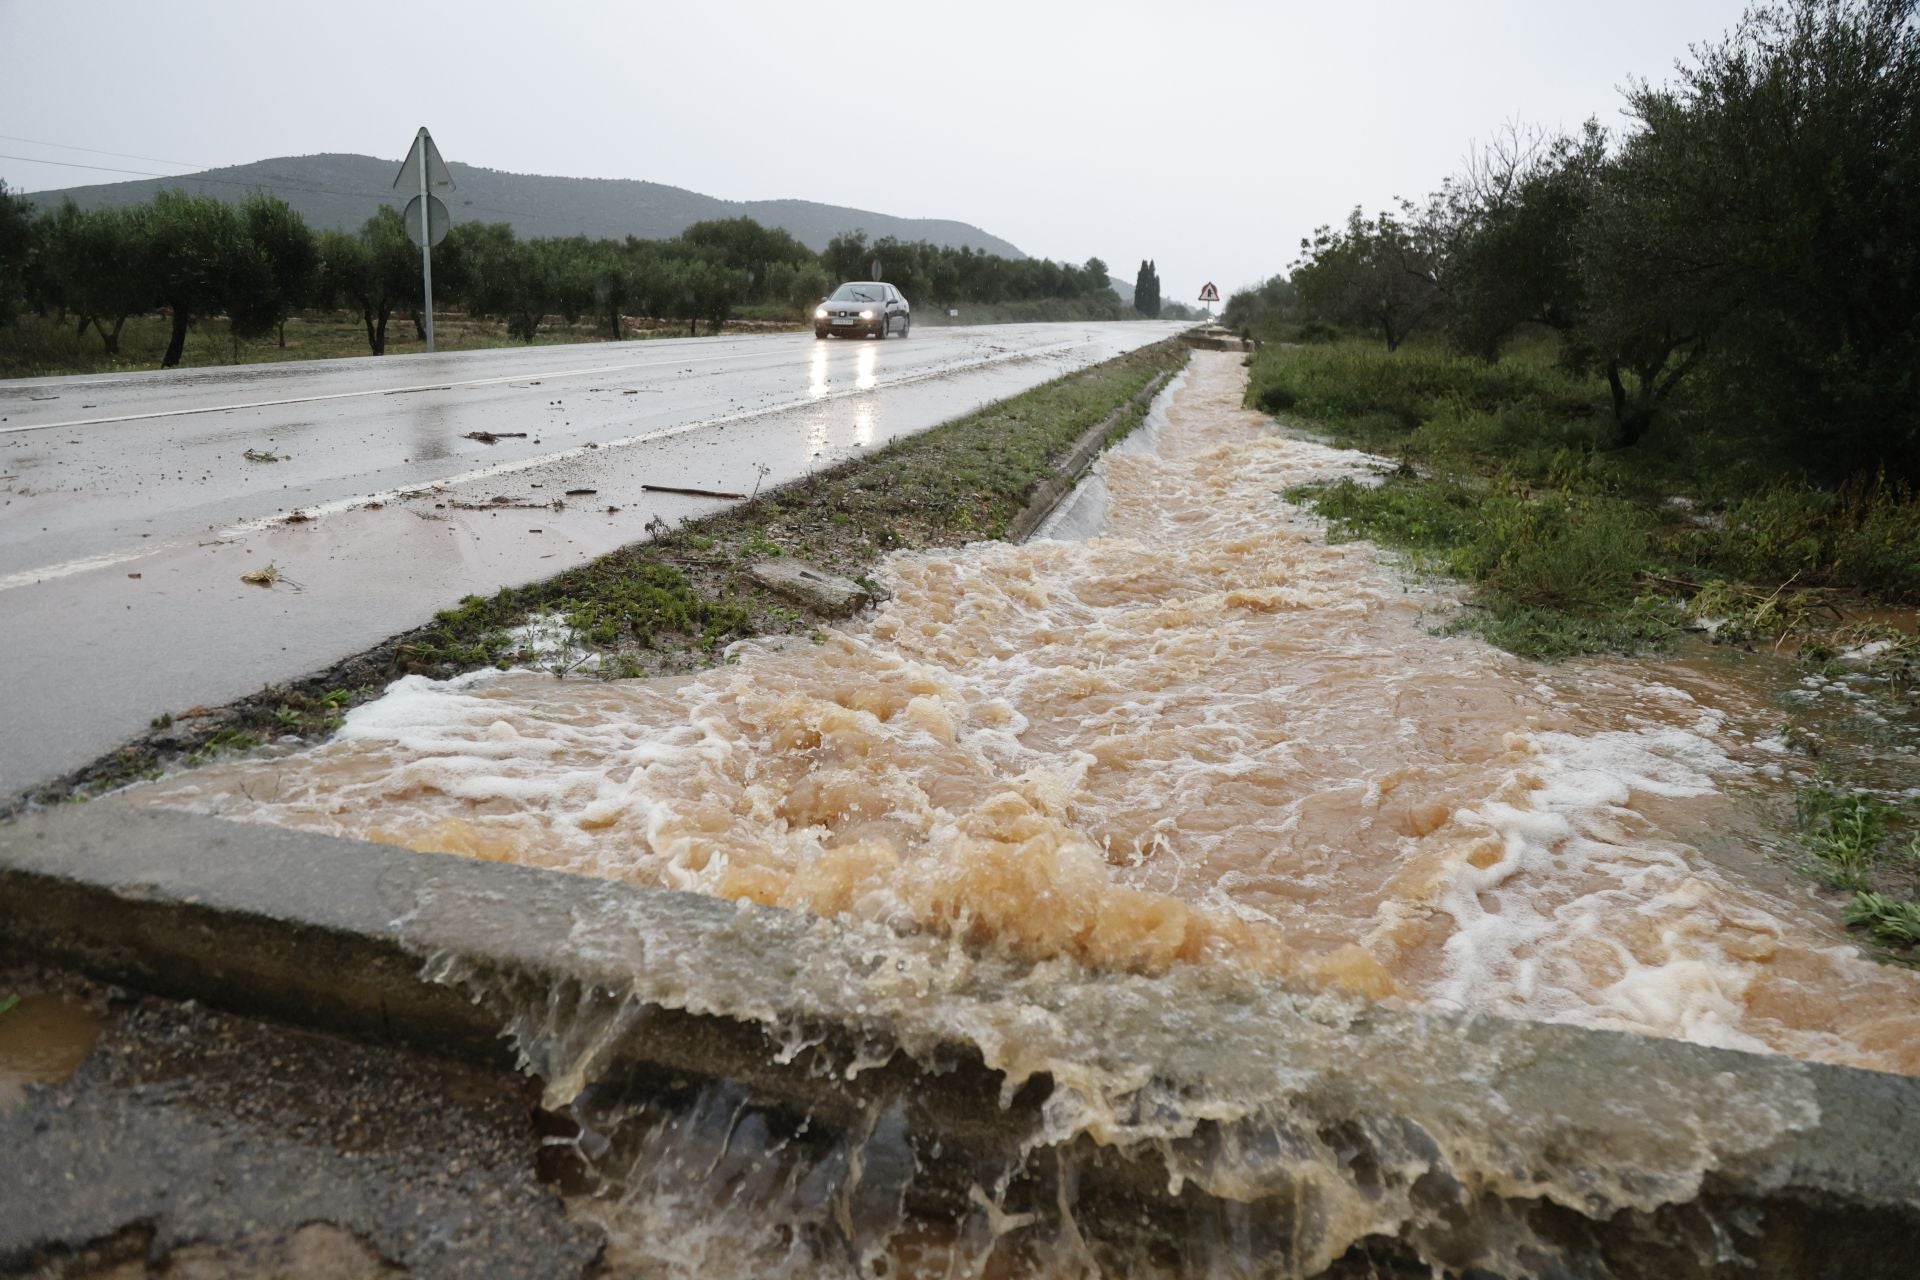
[(1209, 295), (424, 168)]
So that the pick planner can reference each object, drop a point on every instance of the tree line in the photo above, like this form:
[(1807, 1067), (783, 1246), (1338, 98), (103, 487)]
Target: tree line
[(257, 262), (1752, 231)]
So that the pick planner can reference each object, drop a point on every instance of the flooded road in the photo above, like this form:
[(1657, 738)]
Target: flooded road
[(1205, 737), (132, 504)]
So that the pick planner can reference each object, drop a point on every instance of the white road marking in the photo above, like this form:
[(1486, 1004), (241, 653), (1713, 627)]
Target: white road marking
[(375, 391)]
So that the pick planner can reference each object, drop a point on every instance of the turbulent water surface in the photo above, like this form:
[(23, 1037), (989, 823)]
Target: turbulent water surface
[(1207, 737)]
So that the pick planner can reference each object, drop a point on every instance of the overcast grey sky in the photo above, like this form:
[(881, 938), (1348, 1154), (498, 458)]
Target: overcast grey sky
[(1208, 136)]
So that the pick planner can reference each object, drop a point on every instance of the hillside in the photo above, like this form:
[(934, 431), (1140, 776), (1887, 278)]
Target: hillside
[(343, 190)]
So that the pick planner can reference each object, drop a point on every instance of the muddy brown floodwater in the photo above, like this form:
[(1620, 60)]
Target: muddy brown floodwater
[(1206, 737)]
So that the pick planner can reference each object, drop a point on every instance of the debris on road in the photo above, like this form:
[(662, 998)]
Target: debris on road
[(265, 577), (694, 493), (502, 502), (575, 493), (133, 575), (494, 437), (298, 517), (263, 455)]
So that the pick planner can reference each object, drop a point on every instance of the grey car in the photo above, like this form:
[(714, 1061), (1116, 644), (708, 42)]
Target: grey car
[(866, 307)]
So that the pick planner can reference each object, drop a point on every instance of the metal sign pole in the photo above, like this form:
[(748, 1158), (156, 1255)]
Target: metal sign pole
[(426, 242)]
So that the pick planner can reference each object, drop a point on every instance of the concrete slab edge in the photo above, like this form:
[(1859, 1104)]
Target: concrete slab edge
[(339, 934)]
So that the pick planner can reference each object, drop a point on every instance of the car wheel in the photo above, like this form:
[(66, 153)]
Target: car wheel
[(820, 333), (906, 325)]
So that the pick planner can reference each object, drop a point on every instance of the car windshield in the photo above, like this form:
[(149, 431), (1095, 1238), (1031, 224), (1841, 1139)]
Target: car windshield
[(856, 293)]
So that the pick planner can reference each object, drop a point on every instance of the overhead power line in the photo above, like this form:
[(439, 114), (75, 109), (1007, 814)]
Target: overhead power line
[(195, 177), (95, 151)]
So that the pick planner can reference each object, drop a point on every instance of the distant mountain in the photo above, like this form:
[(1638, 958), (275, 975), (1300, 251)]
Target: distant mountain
[(342, 191)]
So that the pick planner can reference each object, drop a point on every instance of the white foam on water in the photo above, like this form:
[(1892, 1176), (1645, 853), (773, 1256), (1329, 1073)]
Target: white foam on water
[(1214, 738)]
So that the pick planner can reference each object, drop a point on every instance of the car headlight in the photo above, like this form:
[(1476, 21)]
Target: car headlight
[(866, 315), (819, 313)]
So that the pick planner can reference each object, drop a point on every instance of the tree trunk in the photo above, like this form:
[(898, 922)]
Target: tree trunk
[(283, 335), (81, 332), (419, 325), (380, 332), (1619, 391), (177, 343), (366, 318), (613, 318), (693, 326), (110, 338), (1634, 412)]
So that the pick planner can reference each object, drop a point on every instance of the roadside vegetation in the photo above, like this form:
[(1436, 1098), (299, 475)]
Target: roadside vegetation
[(196, 280), (1635, 384), (675, 602)]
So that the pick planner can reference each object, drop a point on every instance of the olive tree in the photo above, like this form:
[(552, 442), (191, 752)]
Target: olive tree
[(1380, 273)]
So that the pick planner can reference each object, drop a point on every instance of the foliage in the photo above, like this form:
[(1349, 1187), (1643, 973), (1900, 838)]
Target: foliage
[(16, 251), (1886, 920), (1706, 508), (1554, 575), (946, 276), (276, 267), (1146, 290), (371, 272), (1270, 311), (1845, 831), (1782, 165), (1514, 252), (1751, 229), (92, 262), (1380, 273), (258, 263)]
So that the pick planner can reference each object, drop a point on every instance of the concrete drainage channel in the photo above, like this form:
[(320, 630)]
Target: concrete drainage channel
[(1190, 1122)]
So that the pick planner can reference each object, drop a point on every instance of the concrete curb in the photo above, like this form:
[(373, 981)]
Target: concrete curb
[(1091, 444), (1621, 1155)]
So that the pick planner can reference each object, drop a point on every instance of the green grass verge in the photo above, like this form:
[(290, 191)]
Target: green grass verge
[(673, 603), (1509, 481)]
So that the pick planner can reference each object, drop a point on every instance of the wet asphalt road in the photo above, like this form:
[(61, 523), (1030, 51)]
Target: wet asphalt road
[(129, 507)]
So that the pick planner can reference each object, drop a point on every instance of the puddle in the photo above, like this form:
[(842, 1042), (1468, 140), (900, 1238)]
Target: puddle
[(43, 1040)]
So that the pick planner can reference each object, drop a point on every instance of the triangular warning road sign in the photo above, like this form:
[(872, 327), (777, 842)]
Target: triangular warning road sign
[(1208, 293), (423, 152)]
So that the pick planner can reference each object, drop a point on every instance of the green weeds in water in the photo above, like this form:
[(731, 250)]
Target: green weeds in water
[(224, 742), (1887, 921), (1845, 831), (7, 1003), (1855, 843)]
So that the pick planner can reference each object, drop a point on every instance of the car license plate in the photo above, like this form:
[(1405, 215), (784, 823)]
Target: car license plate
[(840, 320)]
